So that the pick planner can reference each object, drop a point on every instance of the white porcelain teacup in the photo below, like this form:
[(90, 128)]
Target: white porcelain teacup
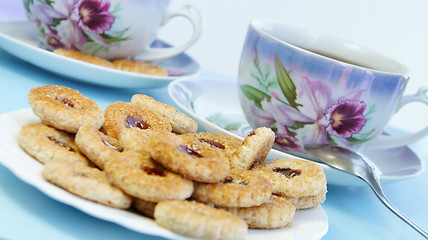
[(109, 28), (312, 88)]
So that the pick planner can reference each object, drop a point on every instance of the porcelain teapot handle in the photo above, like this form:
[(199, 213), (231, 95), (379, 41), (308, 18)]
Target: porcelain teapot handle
[(386, 141), (197, 22)]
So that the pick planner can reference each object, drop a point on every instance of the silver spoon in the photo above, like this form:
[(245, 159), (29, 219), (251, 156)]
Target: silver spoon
[(348, 161)]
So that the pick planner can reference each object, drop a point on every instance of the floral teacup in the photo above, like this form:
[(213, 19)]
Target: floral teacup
[(311, 88), (108, 28)]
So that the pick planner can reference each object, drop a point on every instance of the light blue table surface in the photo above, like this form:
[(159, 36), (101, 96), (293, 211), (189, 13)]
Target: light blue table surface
[(26, 213)]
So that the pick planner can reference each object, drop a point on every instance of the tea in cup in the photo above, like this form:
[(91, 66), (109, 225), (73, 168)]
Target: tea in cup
[(109, 29), (312, 88)]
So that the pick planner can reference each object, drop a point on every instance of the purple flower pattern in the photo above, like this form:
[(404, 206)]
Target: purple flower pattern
[(316, 118), (94, 15), (70, 24), (345, 118)]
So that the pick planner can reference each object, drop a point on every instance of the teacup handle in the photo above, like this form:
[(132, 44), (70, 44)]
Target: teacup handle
[(197, 24), (385, 141)]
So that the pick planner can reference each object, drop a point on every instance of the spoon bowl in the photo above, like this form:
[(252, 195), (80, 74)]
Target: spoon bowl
[(351, 162)]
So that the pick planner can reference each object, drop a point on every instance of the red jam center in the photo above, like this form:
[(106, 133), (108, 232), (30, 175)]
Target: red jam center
[(212, 143), (189, 151), (135, 121), (61, 144), (288, 172), (65, 101), (153, 171)]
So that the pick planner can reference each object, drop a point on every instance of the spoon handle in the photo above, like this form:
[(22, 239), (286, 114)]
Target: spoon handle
[(379, 193)]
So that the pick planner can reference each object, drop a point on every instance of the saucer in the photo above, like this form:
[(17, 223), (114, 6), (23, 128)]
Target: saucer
[(215, 106), (18, 39)]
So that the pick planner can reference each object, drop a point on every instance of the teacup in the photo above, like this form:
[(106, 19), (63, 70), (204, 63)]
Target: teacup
[(312, 88), (109, 29)]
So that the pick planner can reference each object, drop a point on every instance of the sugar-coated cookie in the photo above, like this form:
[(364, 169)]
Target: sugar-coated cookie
[(140, 177), (65, 108), (87, 182), (198, 220), (122, 115), (188, 157), (46, 144), (278, 212), (242, 188), (180, 122), (254, 149)]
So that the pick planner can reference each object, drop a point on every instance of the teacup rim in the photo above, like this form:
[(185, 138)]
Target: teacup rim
[(255, 24)]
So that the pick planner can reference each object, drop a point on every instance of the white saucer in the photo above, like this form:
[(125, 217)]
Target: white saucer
[(18, 39), (214, 104)]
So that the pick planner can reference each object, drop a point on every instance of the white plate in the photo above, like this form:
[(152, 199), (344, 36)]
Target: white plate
[(307, 224), (18, 39), (214, 104)]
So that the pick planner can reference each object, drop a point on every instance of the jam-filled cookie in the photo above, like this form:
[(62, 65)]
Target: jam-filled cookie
[(227, 144), (87, 182), (140, 177), (198, 220), (65, 108), (295, 178), (46, 144), (190, 158), (241, 188), (122, 115)]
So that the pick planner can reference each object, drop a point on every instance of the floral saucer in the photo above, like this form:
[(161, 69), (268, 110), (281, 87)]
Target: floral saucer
[(18, 39), (214, 104)]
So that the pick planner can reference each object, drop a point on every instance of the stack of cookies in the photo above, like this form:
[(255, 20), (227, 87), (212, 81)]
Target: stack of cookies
[(146, 155)]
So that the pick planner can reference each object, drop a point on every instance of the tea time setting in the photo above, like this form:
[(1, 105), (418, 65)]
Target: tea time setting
[(182, 119)]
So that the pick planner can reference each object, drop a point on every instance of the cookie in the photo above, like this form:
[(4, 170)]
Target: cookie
[(87, 182), (147, 208), (242, 188), (254, 149), (278, 212), (96, 146), (138, 67), (190, 158), (308, 201), (198, 220), (180, 122), (136, 139), (65, 108), (122, 115), (140, 177), (46, 144), (84, 57), (227, 144), (294, 177)]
